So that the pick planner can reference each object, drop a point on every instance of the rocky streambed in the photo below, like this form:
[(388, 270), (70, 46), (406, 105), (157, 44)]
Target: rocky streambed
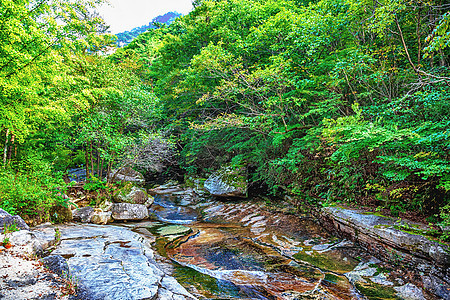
[(241, 250), (201, 248)]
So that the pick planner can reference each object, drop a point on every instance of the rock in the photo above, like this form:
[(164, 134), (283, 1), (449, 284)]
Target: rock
[(21, 277), (61, 214), (106, 205), (379, 234), (46, 235), (127, 174), (83, 214), (165, 189), (102, 217), (57, 264), (7, 219), (174, 230), (113, 262), (227, 182), (134, 195), (436, 286), (127, 211), (409, 292), (24, 242)]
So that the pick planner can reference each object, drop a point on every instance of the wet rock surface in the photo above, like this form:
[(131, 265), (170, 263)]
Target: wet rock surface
[(390, 240), (241, 250), (111, 262)]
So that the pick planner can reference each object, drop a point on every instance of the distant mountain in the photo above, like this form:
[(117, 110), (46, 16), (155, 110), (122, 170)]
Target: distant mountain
[(124, 38)]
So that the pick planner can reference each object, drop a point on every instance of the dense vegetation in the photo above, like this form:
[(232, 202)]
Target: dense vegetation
[(330, 101)]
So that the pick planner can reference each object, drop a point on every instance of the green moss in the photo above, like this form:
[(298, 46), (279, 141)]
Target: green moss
[(327, 261), (332, 278), (173, 230), (209, 287), (375, 291)]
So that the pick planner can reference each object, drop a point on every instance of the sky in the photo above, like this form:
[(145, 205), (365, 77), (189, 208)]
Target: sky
[(124, 15)]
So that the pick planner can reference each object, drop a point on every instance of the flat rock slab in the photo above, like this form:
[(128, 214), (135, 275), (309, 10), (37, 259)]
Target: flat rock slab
[(383, 229), (382, 237), (24, 278), (111, 262)]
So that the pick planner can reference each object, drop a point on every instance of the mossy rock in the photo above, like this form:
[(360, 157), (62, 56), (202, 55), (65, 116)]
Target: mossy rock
[(375, 291), (60, 214), (173, 230), (132, 194), (229, 181)]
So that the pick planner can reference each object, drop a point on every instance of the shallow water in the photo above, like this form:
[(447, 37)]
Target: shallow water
[(239, 251)]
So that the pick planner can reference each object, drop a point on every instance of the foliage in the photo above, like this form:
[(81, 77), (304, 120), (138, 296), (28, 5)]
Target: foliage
[(329, 100), (326, 100), (31, 189)]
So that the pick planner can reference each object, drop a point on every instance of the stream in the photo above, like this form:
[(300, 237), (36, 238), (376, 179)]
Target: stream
[(239, 250)]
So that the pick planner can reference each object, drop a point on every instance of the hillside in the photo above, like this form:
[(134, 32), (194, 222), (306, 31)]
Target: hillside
[(124, 38)]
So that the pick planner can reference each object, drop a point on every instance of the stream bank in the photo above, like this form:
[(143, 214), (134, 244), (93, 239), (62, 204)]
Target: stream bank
[(198, 247)]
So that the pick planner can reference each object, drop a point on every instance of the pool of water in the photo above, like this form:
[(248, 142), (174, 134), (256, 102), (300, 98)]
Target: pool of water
[(235, 250)]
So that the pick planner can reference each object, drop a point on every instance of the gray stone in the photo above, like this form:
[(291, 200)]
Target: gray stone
[(127, 211), (46, 235), (127, 174), (111, 262), (381, 279), (57, 264), (409, 292), (83, 214), (227, 182), (377, 232), (25, 242), (437, 286), (102, 217), (7, 219), (135, 195)]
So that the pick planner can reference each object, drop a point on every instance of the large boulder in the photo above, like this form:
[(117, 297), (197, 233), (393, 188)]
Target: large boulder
[(102, 217), (129, 212), (57, 264), (6, 219), (111, 262), (127, 174), (83, 214), (61, 214), (228, 182), (134, 195)]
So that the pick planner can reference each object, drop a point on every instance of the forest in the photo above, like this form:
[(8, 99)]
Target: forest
[(326, 101)]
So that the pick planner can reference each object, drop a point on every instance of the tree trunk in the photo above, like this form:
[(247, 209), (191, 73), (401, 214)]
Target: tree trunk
[(98, 167), (101, 169), (86, 157), (108, 175), (92, 161), (10, 148), (6, 147)]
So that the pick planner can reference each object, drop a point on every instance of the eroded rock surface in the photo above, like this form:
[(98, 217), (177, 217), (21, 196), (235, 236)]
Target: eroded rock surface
[(111, 262), (127, 174), (83, 214), (384, 238), (127, 211), (22, 276), (227, 182)]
